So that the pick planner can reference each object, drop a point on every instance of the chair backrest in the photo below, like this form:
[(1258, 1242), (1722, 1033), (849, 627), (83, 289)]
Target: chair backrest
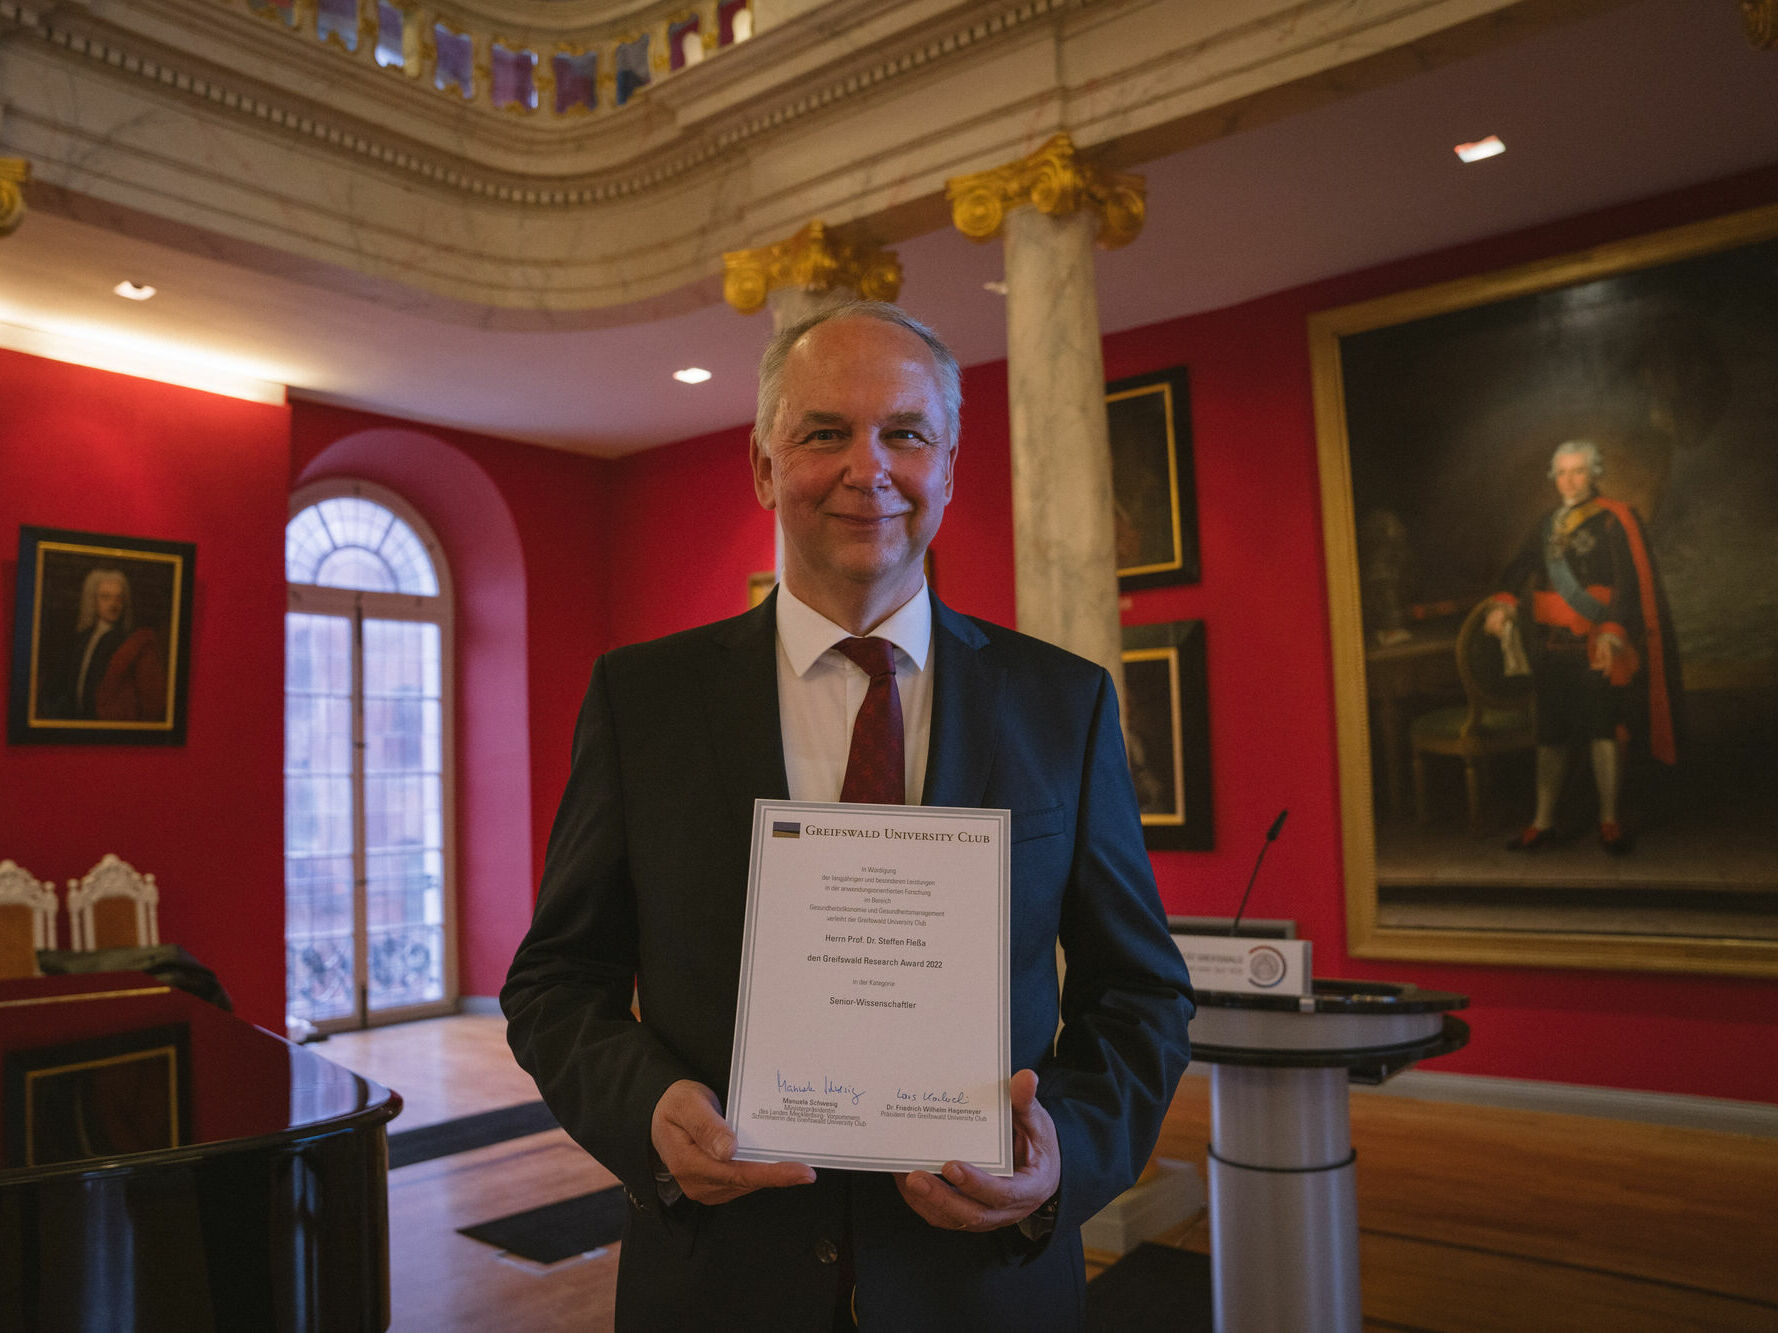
[(27, 919), (113, 907), (1481, 666)]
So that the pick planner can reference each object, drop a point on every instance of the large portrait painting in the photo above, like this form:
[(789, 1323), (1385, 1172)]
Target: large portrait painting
[(1551, 513), (101, 639)]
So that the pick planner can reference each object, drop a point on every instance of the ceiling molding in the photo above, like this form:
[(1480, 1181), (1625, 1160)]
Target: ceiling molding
[(212, 119)]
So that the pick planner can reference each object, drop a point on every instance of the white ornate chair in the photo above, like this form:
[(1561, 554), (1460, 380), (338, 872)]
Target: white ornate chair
[(27, 919), (113, 907)]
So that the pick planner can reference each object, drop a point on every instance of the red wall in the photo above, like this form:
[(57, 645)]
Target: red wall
[(108, 453), (684, 534)]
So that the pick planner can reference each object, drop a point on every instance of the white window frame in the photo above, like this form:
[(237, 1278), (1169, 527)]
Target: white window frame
[(355, 604)]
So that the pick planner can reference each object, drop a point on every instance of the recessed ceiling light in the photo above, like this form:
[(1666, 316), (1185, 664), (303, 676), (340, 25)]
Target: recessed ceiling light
[(131, 291), (1481, 148), (691, 375)]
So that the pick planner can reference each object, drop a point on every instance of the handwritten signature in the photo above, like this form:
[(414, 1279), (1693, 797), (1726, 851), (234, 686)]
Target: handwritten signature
[(948, 1098), (842, 1090), (828, 1087)]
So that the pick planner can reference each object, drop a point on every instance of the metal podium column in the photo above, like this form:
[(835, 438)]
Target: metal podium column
[(1283, 1201)]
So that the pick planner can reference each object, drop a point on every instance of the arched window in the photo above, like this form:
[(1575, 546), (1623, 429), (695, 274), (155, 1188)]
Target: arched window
[(369, 921)]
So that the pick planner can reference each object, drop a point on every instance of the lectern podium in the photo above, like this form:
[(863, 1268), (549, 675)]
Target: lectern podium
[(1283, 1203)]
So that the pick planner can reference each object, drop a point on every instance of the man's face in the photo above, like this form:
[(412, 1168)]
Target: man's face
[(860, 464), (1574, 477), (109, 596)]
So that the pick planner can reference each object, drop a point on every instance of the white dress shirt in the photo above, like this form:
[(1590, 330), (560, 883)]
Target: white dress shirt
[(820, 691)]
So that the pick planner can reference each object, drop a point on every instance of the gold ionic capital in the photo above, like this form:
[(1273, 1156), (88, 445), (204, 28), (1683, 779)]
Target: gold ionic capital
[(813, 261), (1053, 180), (1761, 20), (14, 172)]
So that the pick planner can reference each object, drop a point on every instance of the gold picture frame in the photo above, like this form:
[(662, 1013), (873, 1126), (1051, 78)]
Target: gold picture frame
[(101, 639), (1437, 411), (1167, 733), (1153, 480)]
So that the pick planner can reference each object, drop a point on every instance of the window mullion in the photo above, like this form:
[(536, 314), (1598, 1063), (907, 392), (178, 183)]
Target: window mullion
[(360, 866)]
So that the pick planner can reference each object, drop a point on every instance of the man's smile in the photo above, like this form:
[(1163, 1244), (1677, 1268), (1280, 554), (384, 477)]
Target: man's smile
[(867, 520)]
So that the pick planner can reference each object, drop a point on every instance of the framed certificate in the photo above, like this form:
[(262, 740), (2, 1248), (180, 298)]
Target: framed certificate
[(872, 1028)]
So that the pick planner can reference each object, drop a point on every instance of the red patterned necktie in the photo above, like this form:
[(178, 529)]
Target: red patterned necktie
[(875, 768)]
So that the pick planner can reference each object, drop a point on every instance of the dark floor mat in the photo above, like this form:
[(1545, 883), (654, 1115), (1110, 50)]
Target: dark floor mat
[(557, 1231), (467, 1132), (1152, 1289)]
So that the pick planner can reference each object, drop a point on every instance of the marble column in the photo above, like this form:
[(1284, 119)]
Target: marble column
[(1051, 208), (800, 277), (14, 172)]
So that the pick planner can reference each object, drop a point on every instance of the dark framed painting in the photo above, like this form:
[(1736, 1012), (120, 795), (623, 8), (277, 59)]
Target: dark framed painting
[(1167, 733), (1153, 484), (1550, 504), (101, 643), (126, 1092)]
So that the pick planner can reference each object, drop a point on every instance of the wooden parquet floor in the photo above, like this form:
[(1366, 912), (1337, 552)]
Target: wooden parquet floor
[(1472, 1219)]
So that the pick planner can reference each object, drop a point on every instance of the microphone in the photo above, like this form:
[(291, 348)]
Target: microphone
[(1271, 836)]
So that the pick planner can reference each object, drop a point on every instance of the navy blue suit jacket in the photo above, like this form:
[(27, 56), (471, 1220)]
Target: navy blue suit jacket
[(645, 881)]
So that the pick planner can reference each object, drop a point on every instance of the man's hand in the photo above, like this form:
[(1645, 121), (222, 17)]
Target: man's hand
[(694, 1144), (965, 1199), (1498, 620)]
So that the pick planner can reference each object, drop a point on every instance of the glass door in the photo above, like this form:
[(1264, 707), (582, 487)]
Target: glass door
[(364, 845)]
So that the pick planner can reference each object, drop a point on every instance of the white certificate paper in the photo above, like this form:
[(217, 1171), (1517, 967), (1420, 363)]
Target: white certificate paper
[(872, 1029)]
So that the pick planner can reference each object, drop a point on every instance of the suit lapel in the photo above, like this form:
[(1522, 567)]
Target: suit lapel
[(741, 708), (741, 705), (965, 712)]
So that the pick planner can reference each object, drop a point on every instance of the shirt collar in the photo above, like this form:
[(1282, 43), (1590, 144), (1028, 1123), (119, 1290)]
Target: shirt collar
[(806, 633)]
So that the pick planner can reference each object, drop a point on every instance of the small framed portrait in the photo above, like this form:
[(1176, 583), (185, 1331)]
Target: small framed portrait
[(1152, 484), (101, 639), (1167, 733), (126, 1092)]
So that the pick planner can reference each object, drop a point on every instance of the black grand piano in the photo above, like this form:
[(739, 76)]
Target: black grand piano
[(168, 1166)]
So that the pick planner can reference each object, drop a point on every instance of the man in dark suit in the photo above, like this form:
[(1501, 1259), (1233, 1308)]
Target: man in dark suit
[(645, 884)]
